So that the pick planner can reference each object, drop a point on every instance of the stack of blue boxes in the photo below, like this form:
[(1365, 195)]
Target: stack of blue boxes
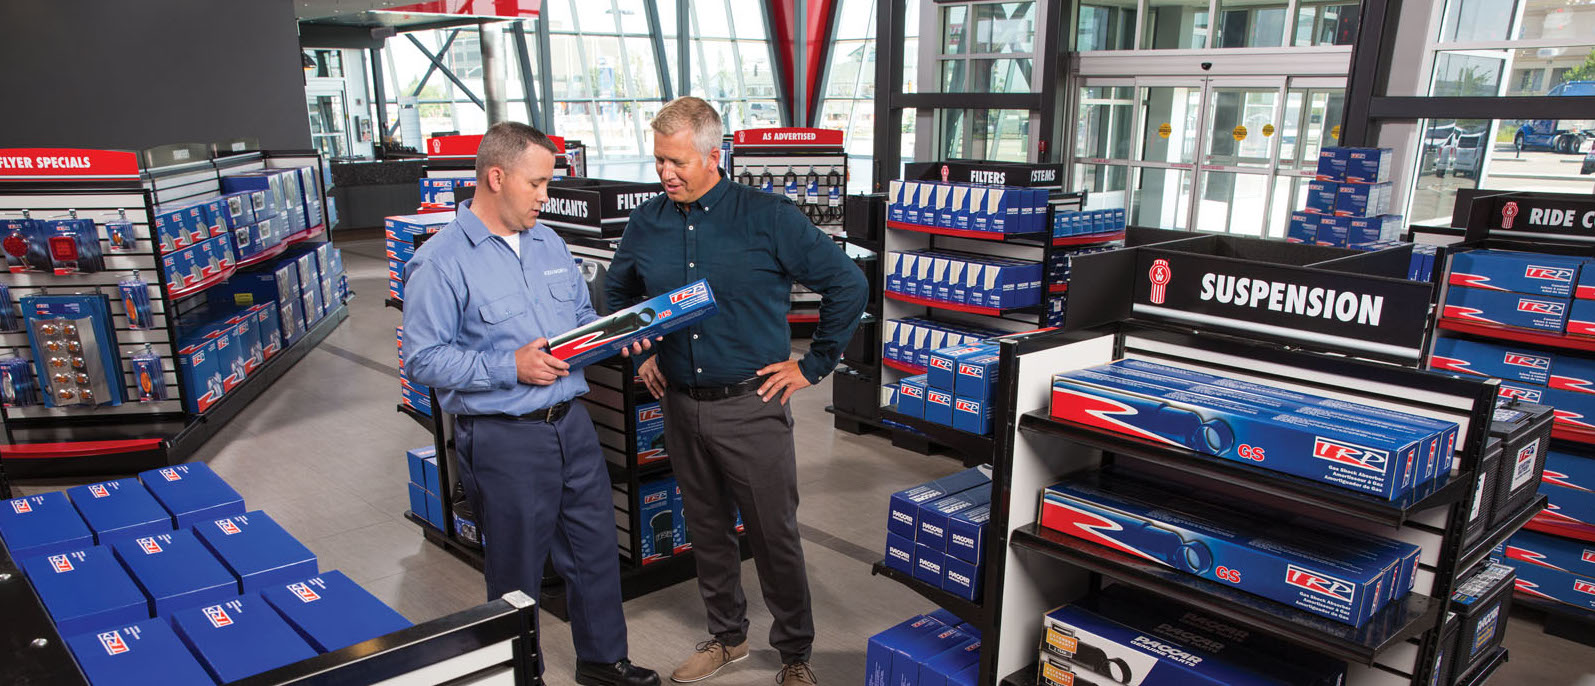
[(956, 390), (1555, 569), (1420, 268), (1349, 203), (168, 574), (964, 278), (289, 196), (1563, 379), (1087, 223), (401, 233), (425, 501), (413, 395), (1552, 294), (440, 191), (936, 532), (910, 340), (196, 239), (937, 649), (966, 207)]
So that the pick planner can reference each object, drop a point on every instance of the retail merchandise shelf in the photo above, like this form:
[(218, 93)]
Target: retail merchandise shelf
[(1486, 669), (423, 420), (975, 448), (956, 307), (267, 254), (1058, 288), (1582, 343), (1034, 238), (202, 285), (1024, 677), (1089, 239), (306, 235), (1306, 491), (803, 317), (1483, 546), (394, 303), (1397, 622), (904, 367), (968, 611)]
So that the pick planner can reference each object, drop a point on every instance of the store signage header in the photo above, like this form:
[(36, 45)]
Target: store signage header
[(67, 164)]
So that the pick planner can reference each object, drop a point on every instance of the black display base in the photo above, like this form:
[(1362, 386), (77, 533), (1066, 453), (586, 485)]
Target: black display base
[(1558, 619), (1484, 670), (972, 450), (1026, 676), (394, 303), (966, 610), (423, 420), (35, 653)]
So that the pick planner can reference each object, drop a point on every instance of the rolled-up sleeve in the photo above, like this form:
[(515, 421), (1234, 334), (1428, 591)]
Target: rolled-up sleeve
[(432, 316), (817, 262)]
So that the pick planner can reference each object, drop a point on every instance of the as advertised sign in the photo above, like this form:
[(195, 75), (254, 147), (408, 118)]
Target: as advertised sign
[(1361, 315), (788, 138)]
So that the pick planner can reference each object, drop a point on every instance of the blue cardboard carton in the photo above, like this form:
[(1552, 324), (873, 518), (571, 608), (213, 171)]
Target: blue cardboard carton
[(1363, 200), (1519, 272), (118, 510), (1362, 230), (1333, 231), (903, 519), (934, 515), (1543, 583), (657, 520), (961, 578), (939, 406), (146, 653), (1564, 555), (650, 433), (256, 549), (886, 645), (966, 534), (1367, 165), (1567, 505), (85, 590), (911, 397), (331, 612), (915, 650), (929, 564), (239, 638), (1321, 197), (653, 317), (939, 669), (419, 501), (1573, 373), (1585, 288), (413, 459), (1502, 361), (942, 372), (1581, 318), (434, 510), (678, 512), (200, 375), (175, 571), (1570, 471), (900, 553), (977, 375), (42, 524), (973, 416), (1332, 164), (1503, 308)]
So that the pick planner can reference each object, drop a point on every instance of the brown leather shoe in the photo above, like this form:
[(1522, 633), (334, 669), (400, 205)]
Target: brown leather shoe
[(710, 656), (796, 674)]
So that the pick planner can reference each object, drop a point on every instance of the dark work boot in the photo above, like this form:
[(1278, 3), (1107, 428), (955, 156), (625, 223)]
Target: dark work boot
[(622, 673)]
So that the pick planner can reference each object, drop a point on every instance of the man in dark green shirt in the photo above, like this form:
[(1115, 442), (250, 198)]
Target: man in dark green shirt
[(724, 381)]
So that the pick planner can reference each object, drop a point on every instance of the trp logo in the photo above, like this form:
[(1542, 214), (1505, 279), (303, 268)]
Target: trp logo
[(304, 592), (150, 546), (98, 491), (650, 413), (696, 289), (967, 406), (941, 363), (60, 563), (1351, 455), (1548, 273), (1540, 307), (171, 474), (1589, 555), (1524, 394), (938, 397), (971, 370), (1583, 586), (1318, 583), (1528, 361), (913, 391), (113, 643), (218, 616), (21, 506), (654, 498), (228, 527)]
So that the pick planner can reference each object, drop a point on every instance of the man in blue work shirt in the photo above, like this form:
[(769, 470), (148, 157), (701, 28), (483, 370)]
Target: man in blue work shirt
[(725, 380), (483, 297)]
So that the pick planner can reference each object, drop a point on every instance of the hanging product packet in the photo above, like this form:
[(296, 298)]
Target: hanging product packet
[(17, 386), (150, 375), (120, 234), (136, 299), (9, 321)]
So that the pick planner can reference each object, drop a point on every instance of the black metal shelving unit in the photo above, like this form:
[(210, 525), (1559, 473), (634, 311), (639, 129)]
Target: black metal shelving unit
[(966, 610)]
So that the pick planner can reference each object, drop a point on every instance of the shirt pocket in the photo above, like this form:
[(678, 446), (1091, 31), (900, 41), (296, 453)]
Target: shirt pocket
[(503, 309), (562, 287)]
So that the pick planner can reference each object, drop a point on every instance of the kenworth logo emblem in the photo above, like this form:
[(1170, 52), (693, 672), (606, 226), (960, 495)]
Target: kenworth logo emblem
[(1351, 455), (1318, 583), (1160, 275)]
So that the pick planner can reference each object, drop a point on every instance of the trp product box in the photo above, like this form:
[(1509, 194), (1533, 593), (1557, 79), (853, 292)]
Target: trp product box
[(42, 524), (977, 376), (1567, 505), (1367, 165), (942, 372), (911, 397), (1503, 308), (1321, 197), (939, 406), (1546, 584), (139, 654), (933, 518), (1581, 318), (1585, 288), (1333, 231), (271, 182), (1363, 199), (886, 645), (256, 549), (239, 638), (1293, 442), (1362, 230), (175, 571), (118, 510), (655, 316), (1570, 471), (1502, 361), (657, 520), (1303, 228), (966, 534), (85, 590), (682, 539), (943, 668), (332, 612), (1565, 555), (1198, 538), (903, 519), (192, 493), (1332, 164), (973, 416), (650, 433), (1519, 272)]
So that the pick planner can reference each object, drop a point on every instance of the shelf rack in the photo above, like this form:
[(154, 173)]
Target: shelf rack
[(966, 610)]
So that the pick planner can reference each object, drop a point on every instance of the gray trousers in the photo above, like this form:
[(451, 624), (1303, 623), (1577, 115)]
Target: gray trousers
[(737, 454)]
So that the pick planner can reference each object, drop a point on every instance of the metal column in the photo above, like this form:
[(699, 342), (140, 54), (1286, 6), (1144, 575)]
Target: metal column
[(382, 95), (518, 29), (656, 34), (490, 38)]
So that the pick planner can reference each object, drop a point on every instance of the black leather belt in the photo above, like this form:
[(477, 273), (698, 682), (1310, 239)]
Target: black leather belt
[(713, 393), (549, 414)]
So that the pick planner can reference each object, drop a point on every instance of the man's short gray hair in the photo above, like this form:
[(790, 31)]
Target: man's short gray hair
[(503, 145), (693, 114)]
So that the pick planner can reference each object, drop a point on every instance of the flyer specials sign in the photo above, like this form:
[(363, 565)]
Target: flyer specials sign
[(66, 164)]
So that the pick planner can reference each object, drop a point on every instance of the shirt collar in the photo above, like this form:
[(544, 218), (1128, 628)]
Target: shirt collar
[(477, 231), (715, 194)]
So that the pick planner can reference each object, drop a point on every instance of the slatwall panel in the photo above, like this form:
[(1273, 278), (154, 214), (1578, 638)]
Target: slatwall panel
[(100, 207)]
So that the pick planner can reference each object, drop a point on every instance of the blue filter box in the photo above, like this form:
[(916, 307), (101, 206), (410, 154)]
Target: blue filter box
[(192, 493), (973, 416), (1303, 228), (1321, 197), (42, 524), (939, 406), (942, 372), (966, 534), (903, 519), (1519, 272), (1543, 583), (176, 571), (1332, 164), (1367, 165), (419, 501), (257, 550), (1504, 308), (1333, 231), (900, 553), (942, 668), (887, 644), (239, 638), (655, 316), (934, 515), (961, 578), (657, 520), (1565, 555), (1567, 505), (1502, 361), (119, 510), (85, 590), (1318, 574), (1292, 442), (331, 612), (977, 375), (929, 565), (911, 397), (1363, 199), (912, 653), (146, 653), (414, 458), (1362, 230)]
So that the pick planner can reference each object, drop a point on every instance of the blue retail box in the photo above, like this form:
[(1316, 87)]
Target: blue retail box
[(900, 553), (434, 510), (1384, 227), (269, 327), (973, 416), (1367, 165), (962, 578), (886, 644), (1544, 583), (1303, 228), (414, 458), (256, 549), (331, 612), (42, 524), (85, 590), (942, 372), (911, 652), (1363, 199), (1581, 318), (940, 669), (147, 653), (932, 520), (1475, 358), (429, 472), (1333, 231), (238, 210), (657, 520), (1570, 471), (175, 571), (1332, 164), (966, 534), (198, 372), (119, 510), (1519, 272), (939, 406), (419, 501), (653, 317), (1551, 552), (1321, 197), (239, 638), (1572, 373), (1503, 308), (903, 518), (1567, 505), (911, 397), (650, 433), (977, 375)]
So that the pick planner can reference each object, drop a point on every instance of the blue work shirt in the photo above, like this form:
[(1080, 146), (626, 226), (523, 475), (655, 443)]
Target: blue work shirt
[(470, 303), (751, 246)]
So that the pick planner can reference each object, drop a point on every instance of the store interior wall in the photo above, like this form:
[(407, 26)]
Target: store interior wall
[(132, 75)]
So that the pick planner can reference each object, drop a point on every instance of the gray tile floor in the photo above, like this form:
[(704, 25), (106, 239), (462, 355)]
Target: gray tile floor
[(323, 453)]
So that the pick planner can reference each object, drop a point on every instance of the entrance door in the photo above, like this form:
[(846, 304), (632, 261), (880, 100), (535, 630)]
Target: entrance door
[(329, 116)]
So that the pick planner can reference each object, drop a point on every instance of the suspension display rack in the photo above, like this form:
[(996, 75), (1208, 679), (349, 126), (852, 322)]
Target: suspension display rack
[(133, 410)]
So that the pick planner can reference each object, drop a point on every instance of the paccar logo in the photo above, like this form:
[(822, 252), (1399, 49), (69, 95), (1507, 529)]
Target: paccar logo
[(1318, 583), (1539, 307), (21, 506), (218, 616), (113, 643), (228, 527), (1548, 273), (957, 578), (971, 370), (98, 491), (1530, 361), (901, 554), (304, 592), (929, 566), (968, 406), (1350, 455), (60, 564), (149, 545)]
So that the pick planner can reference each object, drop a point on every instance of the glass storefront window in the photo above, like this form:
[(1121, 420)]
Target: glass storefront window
[(1250, 24), (1240, 126), (1162, 199), (1169, 119), (1476, 20), (1103, 121), (1230, 203), (954, 31), (1482, 153), (1004, 27), (1175, 25), (1320, 23), (1106, 25), (1104, 184), (1469, 73), (986, 76), (1311, 118)]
